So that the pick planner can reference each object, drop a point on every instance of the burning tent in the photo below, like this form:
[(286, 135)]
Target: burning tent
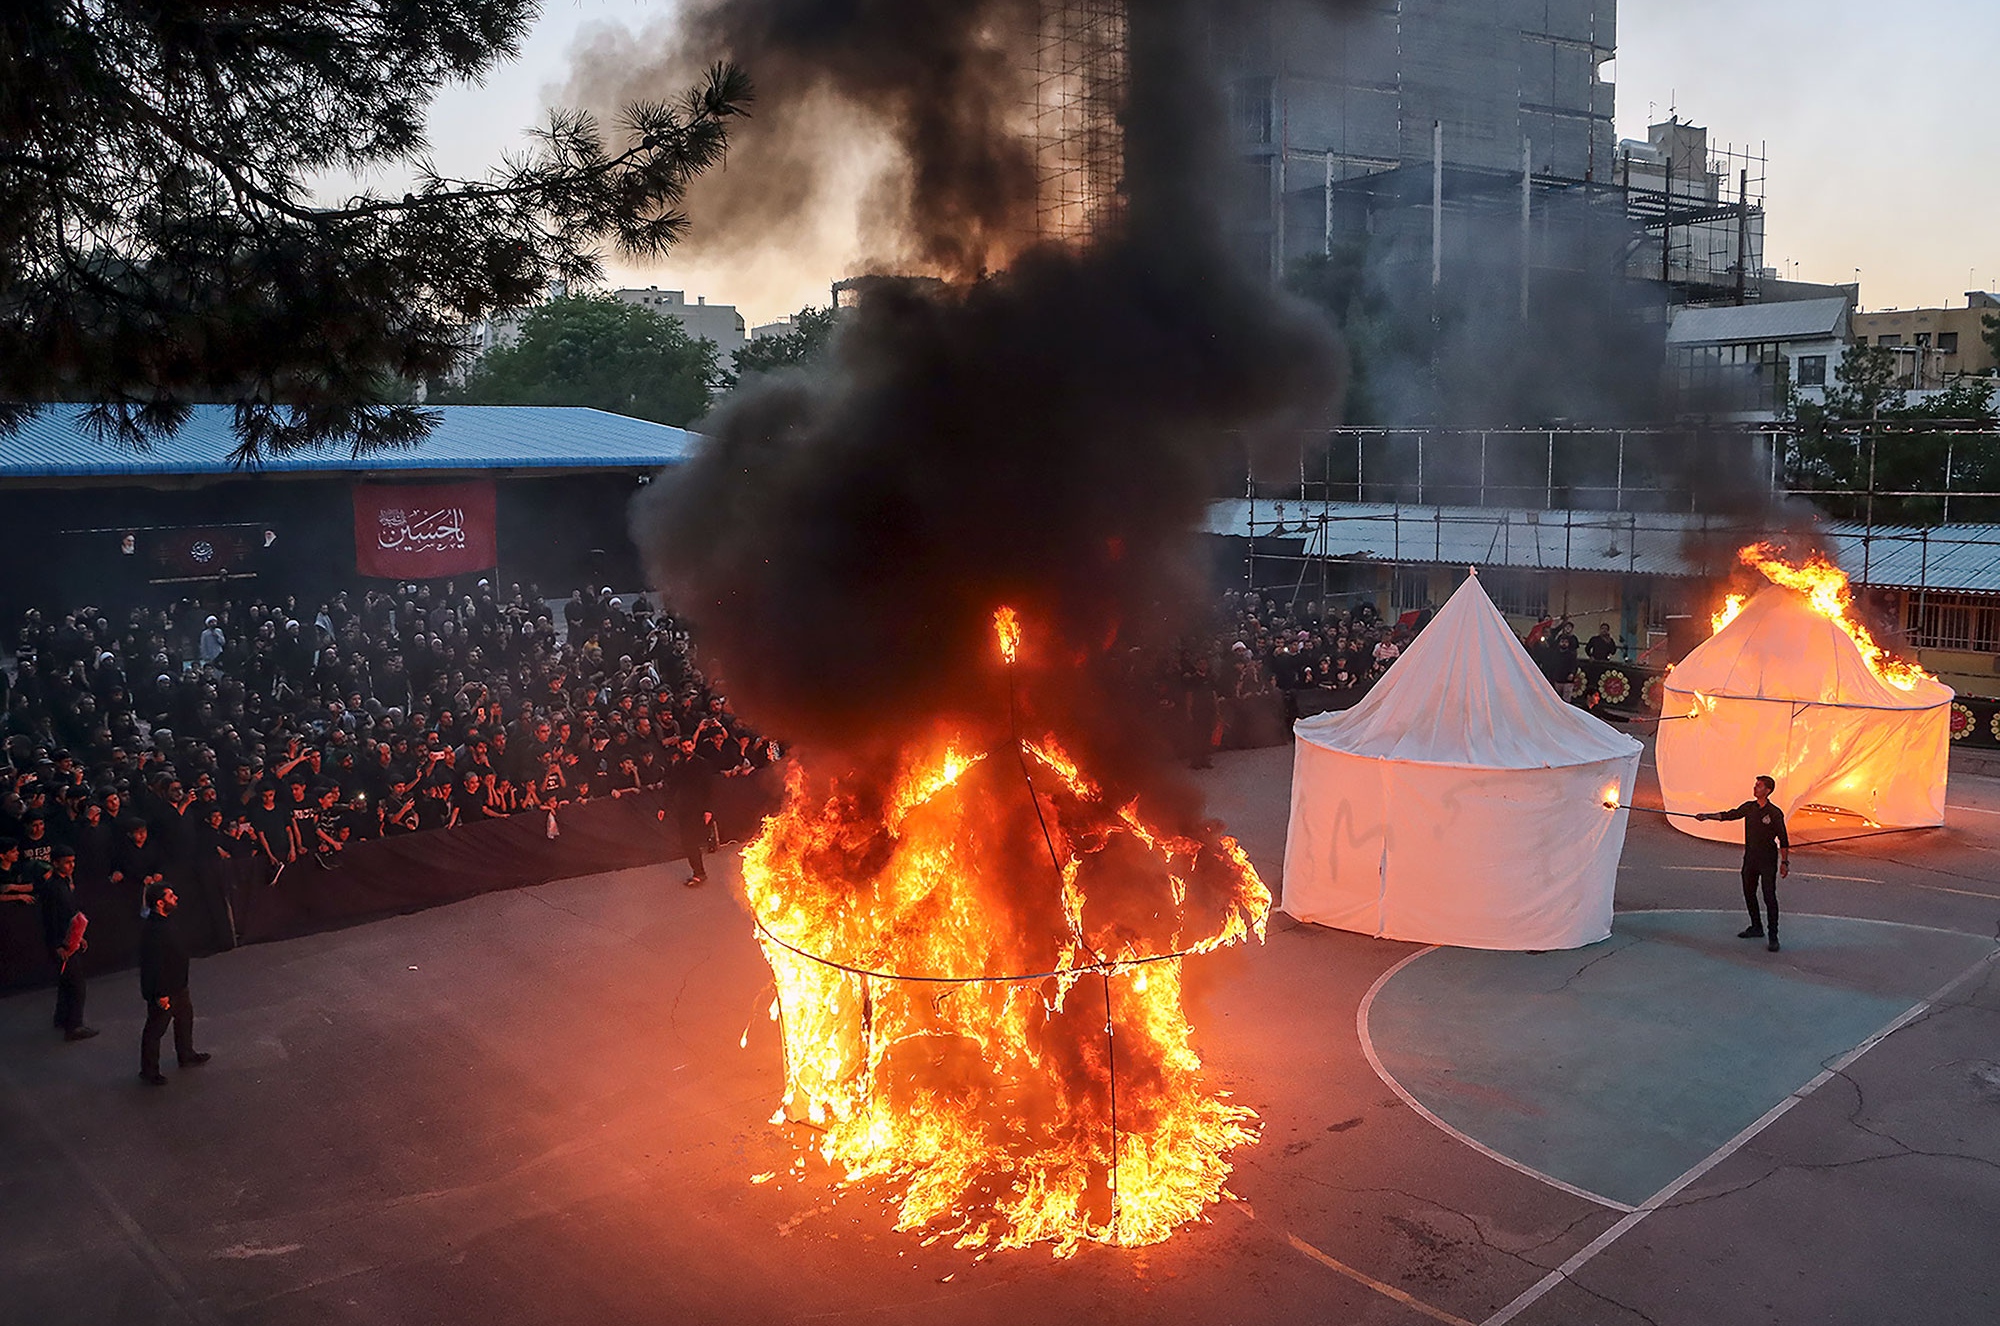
[(979, 980), (1462, 802), (1790, 685)]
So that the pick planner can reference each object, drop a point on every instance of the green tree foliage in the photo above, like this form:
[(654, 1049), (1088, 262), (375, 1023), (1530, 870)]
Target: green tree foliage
[(599, 351), (160, 242), (1868, 432), (812, 329), (1990, 323)]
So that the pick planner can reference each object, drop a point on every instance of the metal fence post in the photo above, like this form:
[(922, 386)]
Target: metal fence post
[(1621, 471)]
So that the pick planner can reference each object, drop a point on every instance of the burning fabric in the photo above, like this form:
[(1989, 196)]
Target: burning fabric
[(1793, 685), (1016, 1058), (980, 983)]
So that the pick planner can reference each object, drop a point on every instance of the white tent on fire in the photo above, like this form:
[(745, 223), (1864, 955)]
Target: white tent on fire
[(1783, 690), (1461, 802)]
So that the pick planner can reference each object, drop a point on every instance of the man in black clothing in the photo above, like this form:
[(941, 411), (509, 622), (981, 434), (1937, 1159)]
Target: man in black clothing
[(63, 924), (1767, 855), (163, 980), (691, 782)]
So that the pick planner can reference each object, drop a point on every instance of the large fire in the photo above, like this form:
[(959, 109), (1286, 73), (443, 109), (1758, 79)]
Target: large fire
[(979, 981), (1825, 587)]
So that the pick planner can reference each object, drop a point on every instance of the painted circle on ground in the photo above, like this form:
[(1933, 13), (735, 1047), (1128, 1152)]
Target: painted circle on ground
[(1613, 1069)]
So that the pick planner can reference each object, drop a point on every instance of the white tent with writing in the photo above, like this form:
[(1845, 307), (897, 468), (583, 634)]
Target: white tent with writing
[(1783, 690), (1461, 802)]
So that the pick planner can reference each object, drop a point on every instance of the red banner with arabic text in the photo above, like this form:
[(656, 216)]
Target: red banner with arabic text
[(421, 531)]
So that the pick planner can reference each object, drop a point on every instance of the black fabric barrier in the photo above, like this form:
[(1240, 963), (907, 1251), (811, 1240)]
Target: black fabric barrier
[(383, 877)]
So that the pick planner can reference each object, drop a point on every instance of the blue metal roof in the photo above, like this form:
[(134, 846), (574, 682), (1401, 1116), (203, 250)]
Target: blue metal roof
[(55, 445), (1960, 557)]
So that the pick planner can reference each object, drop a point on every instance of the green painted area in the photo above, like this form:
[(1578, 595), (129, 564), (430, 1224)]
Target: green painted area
[(1618, 1067)]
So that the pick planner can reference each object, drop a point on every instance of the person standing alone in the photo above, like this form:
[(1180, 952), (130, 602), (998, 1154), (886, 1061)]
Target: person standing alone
[(63, 924), (163, 980), (1767, 855)]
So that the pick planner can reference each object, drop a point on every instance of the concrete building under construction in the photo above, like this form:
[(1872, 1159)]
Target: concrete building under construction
[(1415, 127)]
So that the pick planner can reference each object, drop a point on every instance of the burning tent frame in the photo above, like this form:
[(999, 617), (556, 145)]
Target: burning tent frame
[(1785, 688), (1010, 1111)]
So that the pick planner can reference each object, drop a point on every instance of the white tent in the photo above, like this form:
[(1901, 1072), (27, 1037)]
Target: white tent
[(1782, 690), (1461, 802)]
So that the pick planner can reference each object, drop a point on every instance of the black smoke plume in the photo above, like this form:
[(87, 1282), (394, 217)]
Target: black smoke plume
[(1041, 438), (947, 80)]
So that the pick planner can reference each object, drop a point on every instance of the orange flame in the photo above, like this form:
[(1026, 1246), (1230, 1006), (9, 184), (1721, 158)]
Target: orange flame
[(983, 1093), (1825, 589), (1007, 626)]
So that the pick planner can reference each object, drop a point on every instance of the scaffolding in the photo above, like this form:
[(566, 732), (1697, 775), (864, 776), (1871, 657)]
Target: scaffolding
[(1700, 209), (1079, 86)]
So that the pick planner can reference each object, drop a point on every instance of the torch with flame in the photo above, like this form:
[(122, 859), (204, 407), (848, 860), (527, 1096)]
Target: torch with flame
[(979, 983)]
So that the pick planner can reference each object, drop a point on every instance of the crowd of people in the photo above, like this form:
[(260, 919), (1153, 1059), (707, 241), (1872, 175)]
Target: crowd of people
[(147, 745), (1304, 656), (154, 745)]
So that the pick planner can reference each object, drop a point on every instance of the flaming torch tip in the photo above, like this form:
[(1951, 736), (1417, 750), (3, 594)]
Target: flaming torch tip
[(1007, 626)]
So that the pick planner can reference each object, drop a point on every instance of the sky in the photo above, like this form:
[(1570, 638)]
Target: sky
[(1876, 116)]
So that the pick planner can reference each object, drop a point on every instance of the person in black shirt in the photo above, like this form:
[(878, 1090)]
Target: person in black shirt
[(691, 781), (1767, 855), (63, 924), (163, 981), (272, 825)]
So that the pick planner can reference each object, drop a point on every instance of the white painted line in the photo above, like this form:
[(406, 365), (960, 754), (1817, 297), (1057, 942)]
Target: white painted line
[(1659, 1199), (1388, 1080), (1977, 810), (1817, 916), (1796, 874), (1436, 1314)]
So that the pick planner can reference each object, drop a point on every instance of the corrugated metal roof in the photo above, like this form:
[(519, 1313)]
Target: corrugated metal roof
[(55, 445), (1963, 558), (1786, 320), (1643, 544)]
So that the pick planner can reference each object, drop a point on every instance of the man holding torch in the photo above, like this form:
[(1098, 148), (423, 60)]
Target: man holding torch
[(1767, 854)]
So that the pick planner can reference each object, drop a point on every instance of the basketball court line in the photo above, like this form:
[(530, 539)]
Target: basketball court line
[(1632, 1215), (1568, 1269), (1389, 1080), (1797, 874), (1360, 1278)]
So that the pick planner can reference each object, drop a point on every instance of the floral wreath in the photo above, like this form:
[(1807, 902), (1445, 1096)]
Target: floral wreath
[(1614, 686), (1653, 692), (1963, 722)]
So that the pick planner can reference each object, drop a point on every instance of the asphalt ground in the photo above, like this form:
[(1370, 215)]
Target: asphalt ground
[(533, 1108)]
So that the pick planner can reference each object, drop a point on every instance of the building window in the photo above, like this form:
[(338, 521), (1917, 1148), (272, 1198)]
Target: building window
[(1889, 338), (1923, 340), (1938, 620), (1250, 109), (1947, 343), (1517, 594), (1812, 370)]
